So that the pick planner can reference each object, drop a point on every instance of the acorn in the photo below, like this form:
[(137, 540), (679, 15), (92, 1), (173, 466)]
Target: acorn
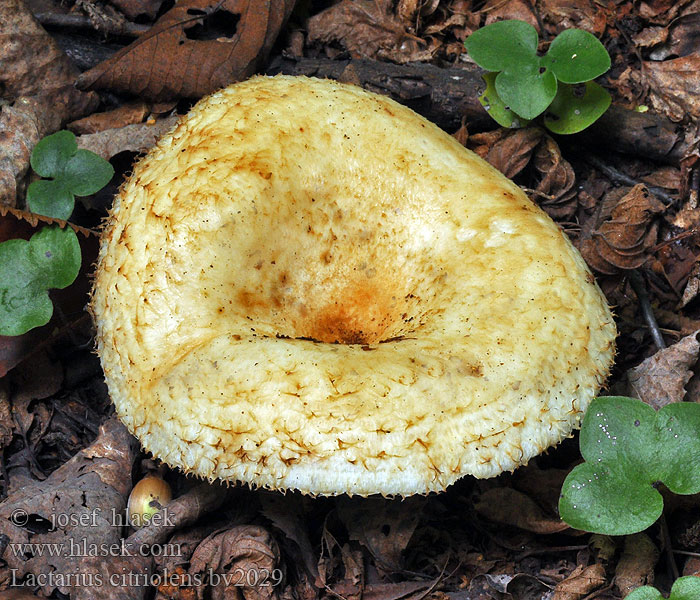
[(147, 497)]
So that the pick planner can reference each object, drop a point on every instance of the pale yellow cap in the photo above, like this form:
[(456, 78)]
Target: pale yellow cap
[(308, 286)]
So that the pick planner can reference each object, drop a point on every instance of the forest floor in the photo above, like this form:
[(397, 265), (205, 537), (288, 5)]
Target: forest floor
[(625, 192)]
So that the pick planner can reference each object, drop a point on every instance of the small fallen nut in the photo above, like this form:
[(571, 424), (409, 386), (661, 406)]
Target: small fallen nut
[(306, 285), (147, 497)]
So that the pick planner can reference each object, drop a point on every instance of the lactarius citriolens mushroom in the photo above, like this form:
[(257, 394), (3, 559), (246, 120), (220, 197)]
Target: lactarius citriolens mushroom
[(308, 286)]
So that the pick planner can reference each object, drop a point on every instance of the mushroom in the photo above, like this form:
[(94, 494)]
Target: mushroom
[(308, 286)]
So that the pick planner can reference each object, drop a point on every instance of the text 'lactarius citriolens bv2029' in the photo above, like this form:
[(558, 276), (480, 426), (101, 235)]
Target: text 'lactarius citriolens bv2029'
[(308, 286)]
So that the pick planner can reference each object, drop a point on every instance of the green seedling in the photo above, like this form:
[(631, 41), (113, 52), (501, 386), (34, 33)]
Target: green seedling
[(28, 269), (629, 450), (71, 172), (684, 588), (521, 85), (51, 258)]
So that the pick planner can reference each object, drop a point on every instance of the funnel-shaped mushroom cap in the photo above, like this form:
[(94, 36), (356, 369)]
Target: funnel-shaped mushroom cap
[(305, 285)]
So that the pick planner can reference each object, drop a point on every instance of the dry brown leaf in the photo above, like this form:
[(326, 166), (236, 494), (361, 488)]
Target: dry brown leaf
[(674, 86), (557, 179), (520, 586), (624, 232), (661, 378), (581, 14), (692, 288), (366, 29), (132, 138), (497, 10), (287, 514), (636, 565), (6, 424), (30, 61), (126, 575), (235, 561), (680, 38), (177, 58), (382, 526), (510, 507), (382, 591), (127, 114), (580, 583), (138, 8), (543, 484), (78, 498), (509, 150)]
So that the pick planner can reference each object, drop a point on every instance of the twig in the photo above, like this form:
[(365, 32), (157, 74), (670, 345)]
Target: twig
[(640, 289), (619, 177), (598, 592), (83, 22), (686, 553)]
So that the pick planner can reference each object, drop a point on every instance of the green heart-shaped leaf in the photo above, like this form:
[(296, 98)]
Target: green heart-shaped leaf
[(503, 44), (526, 89), (645, 593), (86, 173), (684, 588), (496, 108), (576, 107), (628, 448), (678, 442), (75, 173), (28, 269), (52, 153), (576, 56), (593, 500), (51, 198)]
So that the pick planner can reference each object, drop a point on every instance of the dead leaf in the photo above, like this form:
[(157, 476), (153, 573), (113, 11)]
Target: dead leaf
[(196, 47), (674, 86), (139, 138), (287, 514), (497, 10), (509, 507), (30, 60), (624, 230), (509, 150), (520, 586), (692, 288), (70, 511), (129, 113), (382, 526), (135, 564), (6, 424), (661, 378), (604, 547), (366, 29), (557, 179), (134, 9), (580, 583), (406, 590), (240, 560), (680, 38), (581, 14), (636, 565)]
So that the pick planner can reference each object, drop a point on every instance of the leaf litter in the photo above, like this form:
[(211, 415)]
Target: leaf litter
[(480, 540)]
